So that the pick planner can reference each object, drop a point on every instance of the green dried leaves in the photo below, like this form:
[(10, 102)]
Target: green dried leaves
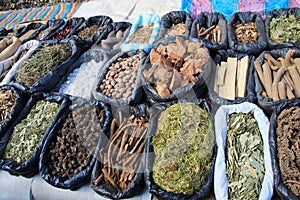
[(183, 146), (7, 102), (30, 131), (89, 31), (244, 161), (47, 58), (285, 29)]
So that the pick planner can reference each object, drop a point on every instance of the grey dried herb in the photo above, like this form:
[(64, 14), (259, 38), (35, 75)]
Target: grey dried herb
[(183, 146), (285, 29), (47, 58), (288, 148), (30, 131), (142, 34), (89, 31), (7, 102), (244, 157)]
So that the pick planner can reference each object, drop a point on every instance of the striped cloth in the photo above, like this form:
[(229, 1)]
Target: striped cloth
[(17, 18)]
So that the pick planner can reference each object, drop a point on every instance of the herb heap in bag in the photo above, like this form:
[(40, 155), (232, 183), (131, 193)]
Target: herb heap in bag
[(288, 148), (47, 58), (175, 65), (29, 132), (183, 146), (244, 157)]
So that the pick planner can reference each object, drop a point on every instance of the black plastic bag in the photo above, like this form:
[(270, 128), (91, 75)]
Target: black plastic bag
[(253, 48), (190, 91), (173, 18), (151, 186), (207, 20), (65, 30), (266, 103), (137, 185), (3, 32), (52, 24), (110, 32), (21, 100), (25, 30), (137, 94), (214, 98), (278, 13), (30, 167), (87, 78), (47, 82), (101, 22), (282, 191), (83, 176)]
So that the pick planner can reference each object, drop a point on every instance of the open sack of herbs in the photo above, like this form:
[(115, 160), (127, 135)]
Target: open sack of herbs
[(243, 166), (68, 155), (66, 29), (45, 59), (283, 28), (183, 146), (175, 65), (119, 170), (46, 29), (120, 79), (80, 81), (7, 65), (287, 149), (278, 72), (24, 139)]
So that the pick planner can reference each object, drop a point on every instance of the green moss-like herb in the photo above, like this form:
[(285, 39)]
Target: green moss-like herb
[(47, 58), (30, 131), (183, 146)]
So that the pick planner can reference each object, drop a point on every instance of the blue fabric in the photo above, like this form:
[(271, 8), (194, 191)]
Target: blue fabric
[(225, 7), (275, 4)]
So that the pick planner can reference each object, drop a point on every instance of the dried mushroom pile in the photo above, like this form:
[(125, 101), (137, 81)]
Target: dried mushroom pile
[(244, 162), (246, 33), (142, 34), (29, 132), (7, 102), (285, 29), (47, 58), (176, 29), (183, 147), (120, 80), (121, 156), (280, 77), (71, 150), (175, 65), (288, 148), (213, 33)]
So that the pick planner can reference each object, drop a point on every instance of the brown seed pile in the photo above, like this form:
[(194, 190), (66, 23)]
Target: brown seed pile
[(89, 31), (246, 33), (280, 76), (75, 142), (288, 148), (7, 102), (176, 29), (142, 34), (124, 149), (120, 79), (213, 33), (175, 65)]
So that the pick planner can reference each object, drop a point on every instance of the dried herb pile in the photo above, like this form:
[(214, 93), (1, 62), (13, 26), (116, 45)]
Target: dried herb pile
[(288, 148), (183, 146), (280, 77), (47, 58), (120, 80), (44, 32), (142, 34), (213, 33), (175, 65), (121, 156), (71, 151), (176, 29), (89, 31), (29, 132), (244, 157), (7, 102), (285, 29), (246, 33)]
